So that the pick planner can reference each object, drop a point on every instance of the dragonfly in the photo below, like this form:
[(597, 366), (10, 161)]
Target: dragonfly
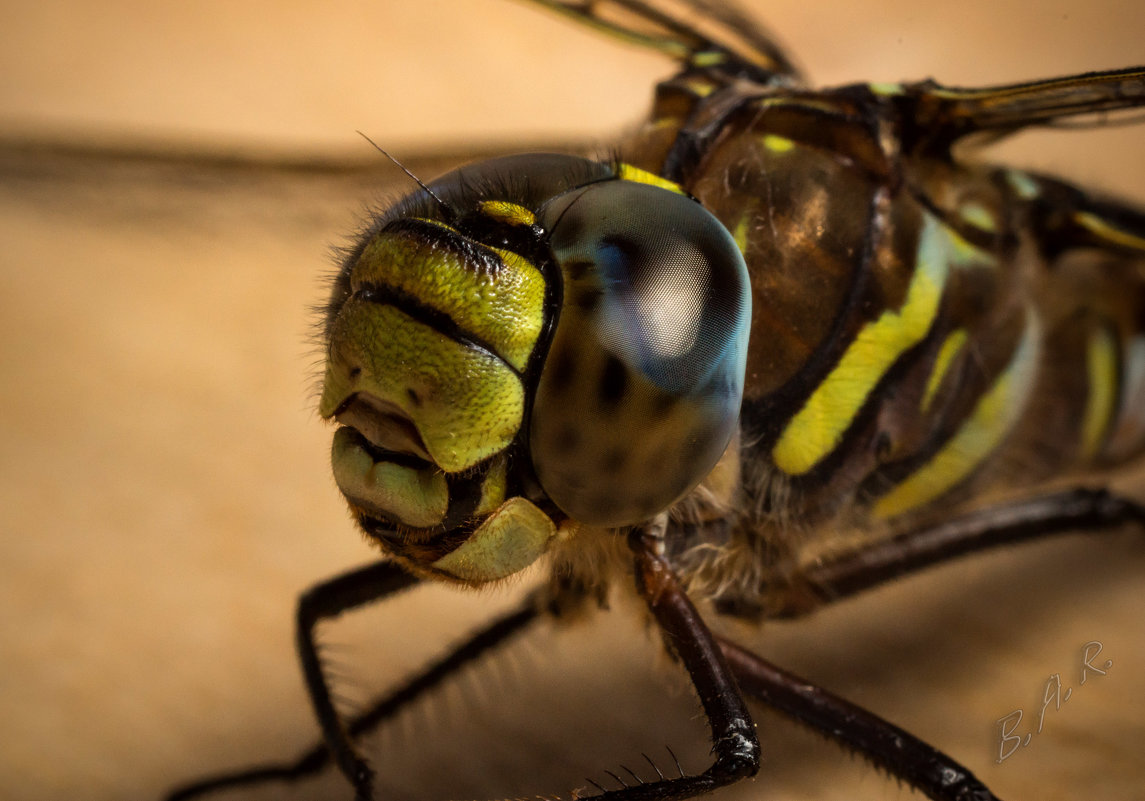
[(783, 347)]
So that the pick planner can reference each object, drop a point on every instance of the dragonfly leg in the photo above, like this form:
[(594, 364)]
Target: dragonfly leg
[(849, 573), (899, 752), (327, 600), (736, 747), (355, 589)]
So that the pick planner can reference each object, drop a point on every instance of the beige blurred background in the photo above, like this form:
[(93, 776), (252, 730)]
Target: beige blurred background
[(172, 178)]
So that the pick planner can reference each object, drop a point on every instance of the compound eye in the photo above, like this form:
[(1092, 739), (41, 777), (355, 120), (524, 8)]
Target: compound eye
[(641, 389)]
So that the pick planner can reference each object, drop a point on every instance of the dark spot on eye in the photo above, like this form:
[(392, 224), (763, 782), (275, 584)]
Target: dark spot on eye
[(613, 381), (695, 445), (414, 398), (659, 459), (605, 504), (577, 269), (587, 297), (625, 252), (354, 373), (560, 369), (651, 503), (613, 461), (566, 440), (689, 449), (664, 403)]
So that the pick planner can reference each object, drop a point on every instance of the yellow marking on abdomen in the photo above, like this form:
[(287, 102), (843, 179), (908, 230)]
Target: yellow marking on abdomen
[(1023, 185), (1128, 432), (996, 413), (979, 216), (951, 347), (1106, 230), (1101, 372), (885, 89), (818, 427), (708, 58)]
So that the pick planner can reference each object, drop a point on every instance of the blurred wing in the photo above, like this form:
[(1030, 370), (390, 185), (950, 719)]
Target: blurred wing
[(945, 114), (699, 33)]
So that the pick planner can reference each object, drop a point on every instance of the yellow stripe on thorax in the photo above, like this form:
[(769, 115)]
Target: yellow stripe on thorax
[(626, 172), (951, 346), (741, 230), (996, 413), (818, 427), (1128, 431), (1101, 370)]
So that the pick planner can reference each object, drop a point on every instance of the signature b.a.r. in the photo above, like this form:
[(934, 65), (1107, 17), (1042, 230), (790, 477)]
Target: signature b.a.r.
[(1054, 695)]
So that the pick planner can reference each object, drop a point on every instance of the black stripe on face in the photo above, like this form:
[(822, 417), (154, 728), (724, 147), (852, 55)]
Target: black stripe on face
[(438, 236), (464, 496), (436, 319), (419, 550)]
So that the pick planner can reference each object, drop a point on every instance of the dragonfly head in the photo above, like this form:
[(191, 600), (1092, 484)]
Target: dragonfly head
[(541, 339)]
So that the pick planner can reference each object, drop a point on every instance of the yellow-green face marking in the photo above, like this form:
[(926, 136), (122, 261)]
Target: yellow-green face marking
[(502, 308), (465, 404), (414, 497), (509, 540), (424, 368)]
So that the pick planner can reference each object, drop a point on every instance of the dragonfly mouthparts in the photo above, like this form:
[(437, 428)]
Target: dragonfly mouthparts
[(383, 424)]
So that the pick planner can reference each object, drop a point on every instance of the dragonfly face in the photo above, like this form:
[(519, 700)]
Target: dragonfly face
[(508, 355)]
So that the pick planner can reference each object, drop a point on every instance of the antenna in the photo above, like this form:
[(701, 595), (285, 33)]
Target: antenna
[(441, 203)]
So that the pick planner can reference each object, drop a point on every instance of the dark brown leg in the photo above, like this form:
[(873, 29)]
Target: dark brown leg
[(733, 733), (900, 753), (328, 600), (1031, 519)]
